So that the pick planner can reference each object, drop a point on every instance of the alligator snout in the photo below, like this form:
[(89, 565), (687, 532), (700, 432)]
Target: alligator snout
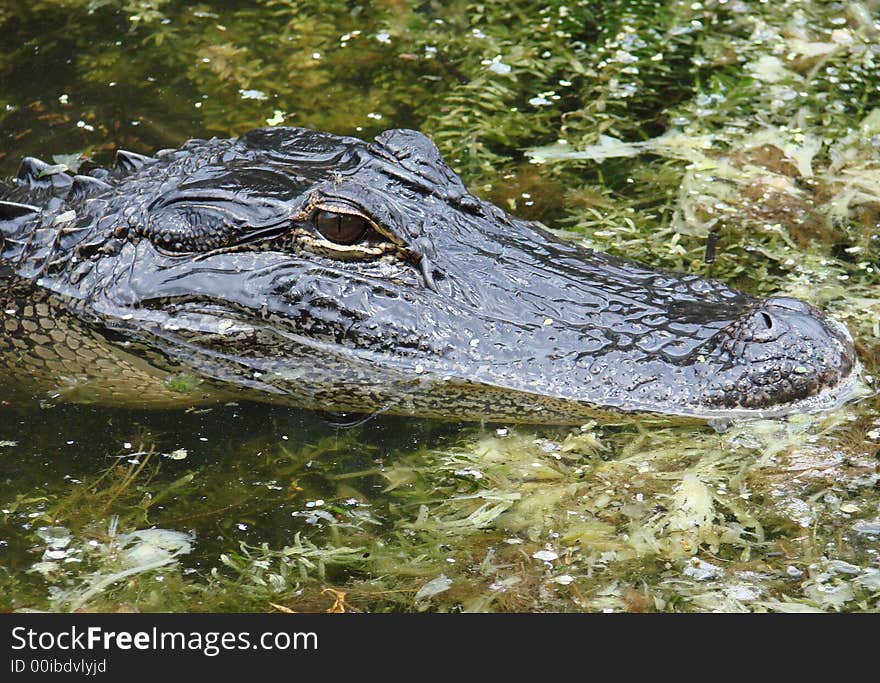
[(782, 351)]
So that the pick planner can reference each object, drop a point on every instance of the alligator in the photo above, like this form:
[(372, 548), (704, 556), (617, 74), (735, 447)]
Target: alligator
[(300, 267)]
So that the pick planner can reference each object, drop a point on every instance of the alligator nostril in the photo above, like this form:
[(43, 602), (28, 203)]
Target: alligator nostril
[(763, 326)]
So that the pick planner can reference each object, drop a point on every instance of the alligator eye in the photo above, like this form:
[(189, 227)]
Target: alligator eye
[(342, 228)]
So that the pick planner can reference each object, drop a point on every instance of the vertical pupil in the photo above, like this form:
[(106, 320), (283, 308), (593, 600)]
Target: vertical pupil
[(334, 224)]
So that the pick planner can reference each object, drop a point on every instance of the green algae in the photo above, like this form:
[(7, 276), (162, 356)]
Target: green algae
[(182, 383), (667, 122)]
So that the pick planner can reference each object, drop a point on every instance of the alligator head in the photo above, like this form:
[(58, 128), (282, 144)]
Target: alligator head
[(343, 275)]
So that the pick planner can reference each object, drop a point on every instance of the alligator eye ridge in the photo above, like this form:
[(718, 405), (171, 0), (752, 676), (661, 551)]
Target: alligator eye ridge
[(341, 228)]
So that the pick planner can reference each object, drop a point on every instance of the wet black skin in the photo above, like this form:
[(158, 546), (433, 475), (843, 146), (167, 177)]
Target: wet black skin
[(301, 267)]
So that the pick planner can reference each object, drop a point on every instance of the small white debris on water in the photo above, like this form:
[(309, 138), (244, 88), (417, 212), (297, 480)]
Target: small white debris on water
[(500, 68), (419, 369), (841, 567), (178, 454), (564, 580), (253, 94), (793, 571), (870, 579), (501, 431), (383, 37), (153, 546), (127, 444), (504, 584), (741, 592), (315, 503), (701, 570), (545, 555), (475, 342), (56, 537), (276, 119), (548, 321), (433, 587), (63, 98), (85, 126), (469, 472)]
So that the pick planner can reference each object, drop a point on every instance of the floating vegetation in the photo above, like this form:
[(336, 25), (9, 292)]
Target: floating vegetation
[(650, 129), (766, 516)]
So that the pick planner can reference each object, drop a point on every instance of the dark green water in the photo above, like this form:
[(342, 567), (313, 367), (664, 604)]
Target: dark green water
[(404, 514)]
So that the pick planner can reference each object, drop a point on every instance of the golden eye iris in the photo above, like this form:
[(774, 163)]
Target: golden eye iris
[(341, 228)]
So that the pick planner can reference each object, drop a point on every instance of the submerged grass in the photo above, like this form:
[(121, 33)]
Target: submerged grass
[(643, 128), (766, 516)]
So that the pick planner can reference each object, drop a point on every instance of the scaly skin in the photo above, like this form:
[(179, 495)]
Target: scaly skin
[(209, 273)]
